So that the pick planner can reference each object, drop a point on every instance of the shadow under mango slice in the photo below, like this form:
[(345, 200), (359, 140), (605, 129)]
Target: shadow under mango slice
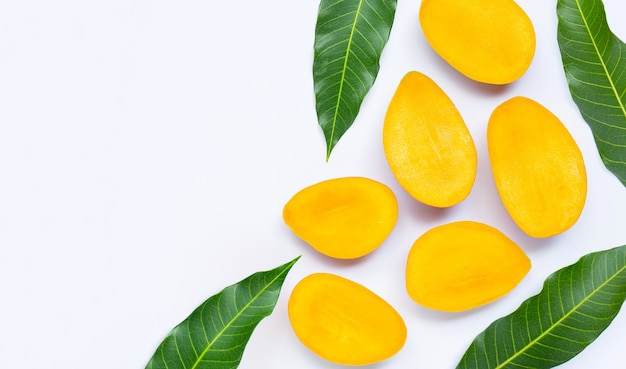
[(428, 147)]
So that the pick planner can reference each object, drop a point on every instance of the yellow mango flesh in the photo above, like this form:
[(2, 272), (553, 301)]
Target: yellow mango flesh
[(537, 167), (463, 265), (343, 321), (427, 144), (490, 41), (343, 218)]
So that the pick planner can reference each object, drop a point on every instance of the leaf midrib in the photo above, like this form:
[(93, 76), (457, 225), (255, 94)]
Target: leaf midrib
[(558, 322), (600, 57), (230, 322), (357, 14)]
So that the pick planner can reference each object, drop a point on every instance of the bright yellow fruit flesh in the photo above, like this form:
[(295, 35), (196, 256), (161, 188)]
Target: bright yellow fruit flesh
[(343, 218), (463, 265), (343, 321), (537, 167), (490, 41), (427, 144)]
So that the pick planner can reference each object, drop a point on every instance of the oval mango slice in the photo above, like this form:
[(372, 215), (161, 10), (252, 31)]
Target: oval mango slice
[(343, 218), (463, 265), (488, 41), (537, 167), (427, 144), (343, 321)]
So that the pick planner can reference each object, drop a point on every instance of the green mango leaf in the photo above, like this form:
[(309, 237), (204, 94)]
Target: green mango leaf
[(594, 60), (349, 39), (215, 335), (575, 305)]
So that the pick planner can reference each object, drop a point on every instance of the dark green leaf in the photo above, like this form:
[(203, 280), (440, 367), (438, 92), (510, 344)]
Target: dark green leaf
[(575, 305), (349, 38), (215, 335), (594, 60)]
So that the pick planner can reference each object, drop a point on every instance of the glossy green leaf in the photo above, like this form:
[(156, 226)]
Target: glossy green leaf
[(594, 60), (349, 39), (575, 305), (215, 335)]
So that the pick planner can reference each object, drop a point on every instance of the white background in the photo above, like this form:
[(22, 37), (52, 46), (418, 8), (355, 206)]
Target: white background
[(147, 148)]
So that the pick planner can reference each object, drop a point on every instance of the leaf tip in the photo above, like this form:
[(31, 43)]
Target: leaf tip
[(292, 262)]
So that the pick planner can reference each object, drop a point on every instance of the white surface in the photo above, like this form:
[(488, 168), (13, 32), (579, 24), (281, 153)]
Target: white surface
[(147, 148)]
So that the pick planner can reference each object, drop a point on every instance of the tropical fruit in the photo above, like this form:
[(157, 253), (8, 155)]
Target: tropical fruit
[(490, 41), (463, 265), (537, 167), (343, 218), (428, 147), (343, 321)]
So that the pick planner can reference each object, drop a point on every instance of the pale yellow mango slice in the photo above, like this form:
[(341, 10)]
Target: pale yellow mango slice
[(343, 218), (343, 321), (427, 144), (490, 41), (463, 265), (537, 167)]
